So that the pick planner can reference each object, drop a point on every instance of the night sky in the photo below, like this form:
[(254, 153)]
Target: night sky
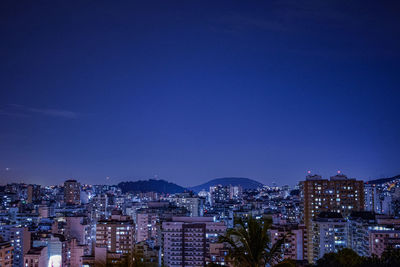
[(188, 91)]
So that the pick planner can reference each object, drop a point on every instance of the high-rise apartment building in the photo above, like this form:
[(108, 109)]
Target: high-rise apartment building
[(330, 234), (77, 228), (293, 247), (372, 201), (98, 206), (32, 193), (146, 254), (116, 234), (146, 225), (372, 233), (149, 220), (360, 223), (20, 239), (235, 192), (339, 194), (36, 257), (6, 254), (382, 238), (72, 192), (219, 194), (193, 204), (56, 248), (187, 240)]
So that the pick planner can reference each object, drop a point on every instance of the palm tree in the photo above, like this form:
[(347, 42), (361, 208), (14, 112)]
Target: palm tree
[(249, 241)]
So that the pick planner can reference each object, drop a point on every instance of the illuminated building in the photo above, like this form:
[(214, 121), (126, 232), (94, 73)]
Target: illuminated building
[(293, 247), (382, 238), (372, 201), (193, 204), (187, 240), (219, 194), (36, 257), (219, 255), (6, 254), (20, 239), (144, 253), (146, 225), (339, 194), (149, 220), (330, 234), (33, 193), (116, 235), (72, 192)]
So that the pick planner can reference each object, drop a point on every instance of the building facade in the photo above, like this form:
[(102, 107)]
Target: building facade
[(330, 234), (36, 257), (293, 247), (186, 240), (339, 194), (20, 239), (72, 192), (6, 254), (116, 235)]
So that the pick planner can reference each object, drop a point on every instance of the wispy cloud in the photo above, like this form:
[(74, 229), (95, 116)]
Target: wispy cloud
[(17, 110), (291, 16), (55, 112)]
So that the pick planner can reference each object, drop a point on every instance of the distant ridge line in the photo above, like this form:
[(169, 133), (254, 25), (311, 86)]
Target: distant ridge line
[(246, 183), (383, 180)]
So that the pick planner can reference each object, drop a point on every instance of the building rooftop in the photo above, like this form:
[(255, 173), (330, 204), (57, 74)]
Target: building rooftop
[(338, 177), (193, 219), (5, 244), (362, 215), (313, 177), (35, 250), (329, 215)]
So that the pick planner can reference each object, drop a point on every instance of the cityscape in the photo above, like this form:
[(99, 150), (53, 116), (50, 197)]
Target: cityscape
[(199, 133), (76, 224)]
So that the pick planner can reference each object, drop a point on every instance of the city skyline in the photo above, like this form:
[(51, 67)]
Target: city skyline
[(199, 133), (190, 187), (78, 225), (188, 93)]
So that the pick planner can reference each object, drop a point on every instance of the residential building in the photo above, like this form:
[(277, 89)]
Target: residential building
[(146, 225), (72, 192), (193, 204), (219, 255), (6, 254), (146, 254), (33, 193), (20, 239), (293, 235), (330, 234), (36, 257), (372, 201), (187, 240), (116, 234), (360, 223), (339, 194)]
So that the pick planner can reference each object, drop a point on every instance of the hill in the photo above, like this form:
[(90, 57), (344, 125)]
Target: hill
[(246, 183), (159, 186), (383, 180)]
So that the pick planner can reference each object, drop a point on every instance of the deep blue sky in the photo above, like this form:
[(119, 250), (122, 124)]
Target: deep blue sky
[(188, 91)]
